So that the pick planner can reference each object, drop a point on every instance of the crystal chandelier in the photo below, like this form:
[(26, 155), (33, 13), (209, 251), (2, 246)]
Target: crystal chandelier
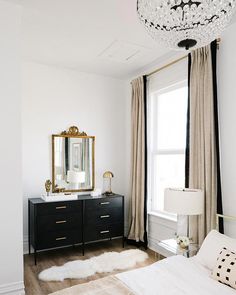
[(185, 23)]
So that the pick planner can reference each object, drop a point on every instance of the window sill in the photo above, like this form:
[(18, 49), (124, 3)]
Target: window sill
[(165, 216)]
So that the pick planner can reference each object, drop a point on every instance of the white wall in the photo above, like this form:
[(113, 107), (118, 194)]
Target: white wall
[(53, 100), (11, 252), (227, 117)]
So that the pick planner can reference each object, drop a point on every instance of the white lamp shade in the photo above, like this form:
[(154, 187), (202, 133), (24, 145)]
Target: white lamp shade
[(184, 201), (75, 176)]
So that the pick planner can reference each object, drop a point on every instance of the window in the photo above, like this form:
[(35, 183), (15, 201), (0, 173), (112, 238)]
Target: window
[(167, 113)]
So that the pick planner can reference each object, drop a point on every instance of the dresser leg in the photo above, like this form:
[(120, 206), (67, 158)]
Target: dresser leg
[(83, 249), (29, 240), (35, 257)]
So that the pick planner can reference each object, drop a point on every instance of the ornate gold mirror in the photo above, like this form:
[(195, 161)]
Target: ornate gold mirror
[(72, 161)]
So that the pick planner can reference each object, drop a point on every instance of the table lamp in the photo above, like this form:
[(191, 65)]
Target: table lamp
[(184, 202), (108, 175)]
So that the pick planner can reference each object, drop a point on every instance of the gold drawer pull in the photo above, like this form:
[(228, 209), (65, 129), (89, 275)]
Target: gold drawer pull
[(104, 203), (104, 231), (62, 238), (61, 207), (60, 221), (104, 216)]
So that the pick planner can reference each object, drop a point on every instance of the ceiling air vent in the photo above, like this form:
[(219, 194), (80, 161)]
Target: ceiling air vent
[(123, 52)]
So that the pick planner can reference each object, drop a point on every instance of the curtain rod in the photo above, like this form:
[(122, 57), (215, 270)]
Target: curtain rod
[(175, 61), (166, 66)]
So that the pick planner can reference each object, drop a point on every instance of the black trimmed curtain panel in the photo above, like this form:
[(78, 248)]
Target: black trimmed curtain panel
[(138, 206), (202, 148)]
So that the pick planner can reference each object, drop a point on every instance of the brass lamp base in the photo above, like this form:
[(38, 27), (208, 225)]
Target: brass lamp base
[(108, 194)]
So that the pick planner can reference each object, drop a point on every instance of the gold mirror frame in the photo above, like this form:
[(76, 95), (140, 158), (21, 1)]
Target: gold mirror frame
[(73, 132)]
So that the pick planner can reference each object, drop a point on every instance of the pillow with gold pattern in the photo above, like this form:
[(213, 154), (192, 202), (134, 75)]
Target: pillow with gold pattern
[(225, 268)]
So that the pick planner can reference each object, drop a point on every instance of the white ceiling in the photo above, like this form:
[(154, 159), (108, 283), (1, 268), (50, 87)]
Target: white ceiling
[(99, 36)]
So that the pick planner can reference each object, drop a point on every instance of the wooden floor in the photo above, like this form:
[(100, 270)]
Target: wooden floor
[(59, 257)]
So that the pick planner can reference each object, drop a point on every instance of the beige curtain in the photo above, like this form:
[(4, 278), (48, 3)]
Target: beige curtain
[(137, 228), (202, 149)]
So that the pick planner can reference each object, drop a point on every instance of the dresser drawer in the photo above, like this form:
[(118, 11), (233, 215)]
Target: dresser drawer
[(103, 203), (59, 221), (103, 216), (59, 207), (58, 238), (103, 232)]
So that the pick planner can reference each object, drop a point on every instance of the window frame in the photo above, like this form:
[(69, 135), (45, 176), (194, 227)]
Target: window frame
[(153, 151)]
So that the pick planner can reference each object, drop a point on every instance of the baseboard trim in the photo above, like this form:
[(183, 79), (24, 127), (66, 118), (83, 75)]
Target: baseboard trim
[(152, 243), (16, 288), (25, 245)]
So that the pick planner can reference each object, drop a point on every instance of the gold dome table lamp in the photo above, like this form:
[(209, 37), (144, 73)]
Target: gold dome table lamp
[(108, 175)]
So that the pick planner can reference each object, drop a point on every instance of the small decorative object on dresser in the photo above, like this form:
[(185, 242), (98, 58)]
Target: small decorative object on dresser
[(48, 184), (64, 223), (108, 175), (97, 192)]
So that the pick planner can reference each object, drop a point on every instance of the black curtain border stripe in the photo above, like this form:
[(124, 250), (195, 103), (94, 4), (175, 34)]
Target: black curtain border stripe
[(188, 126), (216, 122), (145, 157)]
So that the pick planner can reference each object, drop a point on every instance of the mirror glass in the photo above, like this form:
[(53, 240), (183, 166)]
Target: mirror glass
[(73, 163)]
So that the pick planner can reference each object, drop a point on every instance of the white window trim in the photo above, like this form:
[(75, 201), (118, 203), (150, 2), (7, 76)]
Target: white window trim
[(164, 215)]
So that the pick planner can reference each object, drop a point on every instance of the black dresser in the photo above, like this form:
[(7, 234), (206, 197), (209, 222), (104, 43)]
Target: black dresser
[(85, 220)]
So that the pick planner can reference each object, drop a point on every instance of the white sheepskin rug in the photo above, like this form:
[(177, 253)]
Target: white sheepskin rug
[(106, 262)]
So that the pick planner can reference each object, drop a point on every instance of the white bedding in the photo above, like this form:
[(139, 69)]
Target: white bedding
[(176, 275)]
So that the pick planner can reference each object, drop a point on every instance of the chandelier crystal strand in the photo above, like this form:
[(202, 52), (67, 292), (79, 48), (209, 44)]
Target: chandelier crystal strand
[(185, 24)]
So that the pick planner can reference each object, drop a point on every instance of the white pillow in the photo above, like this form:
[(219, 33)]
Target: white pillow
[(211, 247)]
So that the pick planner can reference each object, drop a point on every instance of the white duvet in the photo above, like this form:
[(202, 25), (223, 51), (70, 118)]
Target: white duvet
[(176, 275)]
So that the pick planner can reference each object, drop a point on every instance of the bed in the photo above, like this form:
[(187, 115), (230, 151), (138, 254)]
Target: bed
[(175, 275)]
